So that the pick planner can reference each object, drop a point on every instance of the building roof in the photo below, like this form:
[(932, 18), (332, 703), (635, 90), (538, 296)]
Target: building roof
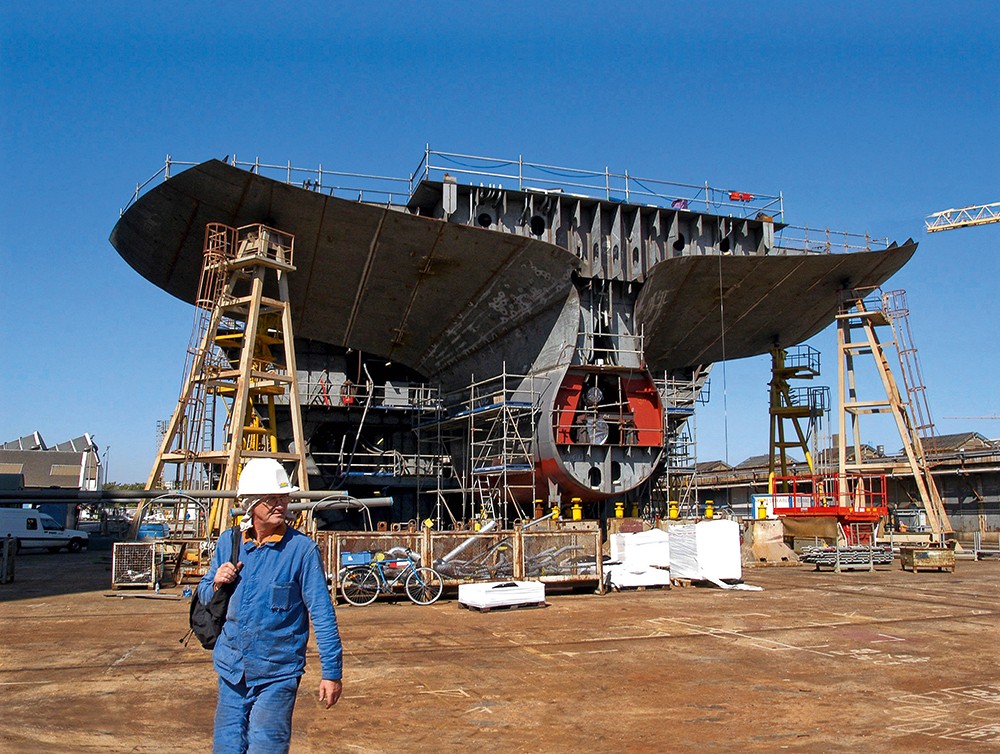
[(830, 456), (81, 443), (753, 462), (33, 441), (762, 462), (960, 441), (708, 467), (45, 468)]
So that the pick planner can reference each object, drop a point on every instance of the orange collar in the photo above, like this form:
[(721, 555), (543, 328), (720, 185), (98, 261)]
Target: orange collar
[(250, 536)]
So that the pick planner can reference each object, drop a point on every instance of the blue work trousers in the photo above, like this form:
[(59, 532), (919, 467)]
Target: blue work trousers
[(255, 719)]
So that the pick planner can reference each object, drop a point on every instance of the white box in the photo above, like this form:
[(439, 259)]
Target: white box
[(646, 549), (707, 550), (622, 576), (501, 594)]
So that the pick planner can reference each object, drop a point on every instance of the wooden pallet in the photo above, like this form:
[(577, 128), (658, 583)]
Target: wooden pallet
[(502, 607), (641, 588)]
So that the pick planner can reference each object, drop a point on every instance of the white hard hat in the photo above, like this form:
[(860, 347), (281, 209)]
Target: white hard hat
[(263, 476)]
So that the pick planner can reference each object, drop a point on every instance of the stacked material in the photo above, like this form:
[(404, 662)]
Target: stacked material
[(847, 557), (639, 559), (706, 551), (486, 596)]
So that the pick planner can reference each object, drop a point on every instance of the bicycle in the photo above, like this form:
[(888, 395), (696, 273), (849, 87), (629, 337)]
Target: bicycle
[(361, 584)]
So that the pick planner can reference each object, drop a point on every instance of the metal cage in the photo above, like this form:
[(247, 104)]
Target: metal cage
[(135, 564)]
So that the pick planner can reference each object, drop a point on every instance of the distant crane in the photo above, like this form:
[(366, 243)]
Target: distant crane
[(977, 214)]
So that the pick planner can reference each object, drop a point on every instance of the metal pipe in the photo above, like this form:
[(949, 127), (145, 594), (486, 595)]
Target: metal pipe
[(488, 526), (94, 496), (338, 504)]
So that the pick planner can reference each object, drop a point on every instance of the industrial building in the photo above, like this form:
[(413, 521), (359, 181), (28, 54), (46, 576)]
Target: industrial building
[(28, 463), (965, 466)]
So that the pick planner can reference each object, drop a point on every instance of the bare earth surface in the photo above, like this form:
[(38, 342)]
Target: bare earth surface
[(817, 662)]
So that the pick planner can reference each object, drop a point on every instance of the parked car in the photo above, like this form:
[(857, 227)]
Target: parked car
[(32, 528)]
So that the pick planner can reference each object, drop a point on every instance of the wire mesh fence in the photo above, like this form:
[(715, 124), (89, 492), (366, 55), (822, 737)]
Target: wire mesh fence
[(561, 556)]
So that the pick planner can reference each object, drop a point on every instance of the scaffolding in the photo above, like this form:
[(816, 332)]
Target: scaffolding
[(502, 414), (492, 422), (679, 480), (861, 313), (792, 406), (240, 361)]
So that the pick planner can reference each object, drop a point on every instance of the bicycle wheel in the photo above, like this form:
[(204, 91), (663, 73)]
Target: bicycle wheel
[(360, 587), (424, 585)]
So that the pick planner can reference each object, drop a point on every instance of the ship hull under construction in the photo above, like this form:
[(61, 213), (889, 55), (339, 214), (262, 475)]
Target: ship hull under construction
[(591, 305)]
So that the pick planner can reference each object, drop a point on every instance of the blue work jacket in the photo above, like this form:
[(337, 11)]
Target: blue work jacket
[(280, 587)]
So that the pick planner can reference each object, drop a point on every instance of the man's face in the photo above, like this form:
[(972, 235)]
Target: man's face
[(270, 511)]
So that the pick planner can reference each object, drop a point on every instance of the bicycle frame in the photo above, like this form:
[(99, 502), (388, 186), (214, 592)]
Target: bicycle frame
[(386, 584), (361, 584)]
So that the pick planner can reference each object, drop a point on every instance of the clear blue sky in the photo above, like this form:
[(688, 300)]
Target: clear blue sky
[(868, 116)]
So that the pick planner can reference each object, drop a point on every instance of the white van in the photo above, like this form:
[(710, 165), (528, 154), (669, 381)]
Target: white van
[(32, 528)]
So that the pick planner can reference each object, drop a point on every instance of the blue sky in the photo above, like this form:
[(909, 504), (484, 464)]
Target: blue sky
[(868, 116)]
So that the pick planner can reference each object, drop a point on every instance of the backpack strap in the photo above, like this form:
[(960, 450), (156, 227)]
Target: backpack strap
[(234, 556)]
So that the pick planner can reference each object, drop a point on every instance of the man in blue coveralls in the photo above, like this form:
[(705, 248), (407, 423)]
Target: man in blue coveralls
[(279, 586)]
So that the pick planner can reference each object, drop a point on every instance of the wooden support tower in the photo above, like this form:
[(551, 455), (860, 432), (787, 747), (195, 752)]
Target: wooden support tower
[(242, 361), (860, 315)]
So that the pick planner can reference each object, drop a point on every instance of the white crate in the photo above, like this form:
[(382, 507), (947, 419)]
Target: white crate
[(707, 550), (484, 596)]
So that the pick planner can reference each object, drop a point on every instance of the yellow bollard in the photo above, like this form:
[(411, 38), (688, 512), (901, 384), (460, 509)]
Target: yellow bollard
[(762, 511), (635, 510), (674, 509), (555, 512), (709, 508), (619, 510), (577, 509)]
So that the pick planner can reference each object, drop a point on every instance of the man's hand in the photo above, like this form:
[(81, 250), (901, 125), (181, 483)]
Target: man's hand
[(226, 574), (329, 692)]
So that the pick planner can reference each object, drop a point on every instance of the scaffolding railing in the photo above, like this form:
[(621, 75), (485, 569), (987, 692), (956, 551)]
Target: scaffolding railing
[(850, 496), (334, 390), (363, 187), (388, 463), (515, 174), (522, 175), (803, 239)]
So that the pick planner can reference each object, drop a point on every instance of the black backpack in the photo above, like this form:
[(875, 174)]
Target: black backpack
[(206, 619)]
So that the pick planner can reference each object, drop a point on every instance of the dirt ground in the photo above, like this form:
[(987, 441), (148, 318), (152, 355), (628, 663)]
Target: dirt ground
[(816, 662)]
